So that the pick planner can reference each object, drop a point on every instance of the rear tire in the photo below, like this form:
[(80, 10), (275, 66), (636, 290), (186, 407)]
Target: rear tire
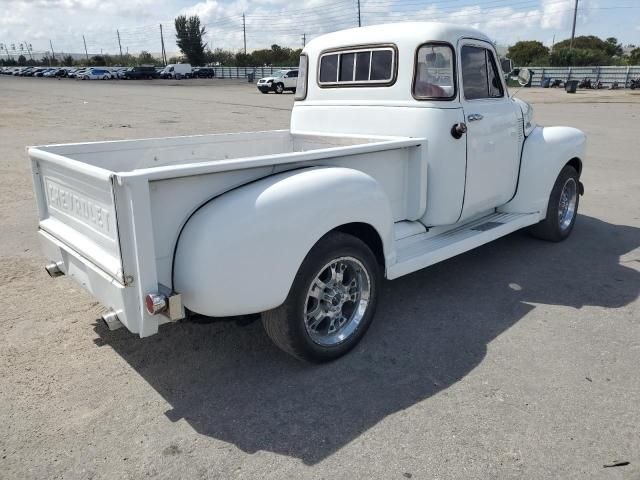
[(331, 303), (562, 209)]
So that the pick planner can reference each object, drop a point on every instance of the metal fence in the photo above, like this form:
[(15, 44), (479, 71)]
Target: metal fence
[(243, 72), (606, 75)]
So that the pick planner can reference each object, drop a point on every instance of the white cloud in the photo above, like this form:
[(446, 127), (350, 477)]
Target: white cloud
[(280, 21)]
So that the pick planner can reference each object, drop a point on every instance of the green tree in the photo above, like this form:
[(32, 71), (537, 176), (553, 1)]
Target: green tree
[(526, 53), (634, 57), (22, 60), (243, 60), (220, 57), (67, 61), (578, 57), (145, 58), (98, 61), (613, 48), (189, 35)]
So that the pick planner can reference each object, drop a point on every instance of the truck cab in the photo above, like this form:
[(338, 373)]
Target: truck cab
[(437, 81), (405, 149)]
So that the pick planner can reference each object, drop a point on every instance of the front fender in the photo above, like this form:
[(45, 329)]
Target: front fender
[(546, 151), (239, 253)]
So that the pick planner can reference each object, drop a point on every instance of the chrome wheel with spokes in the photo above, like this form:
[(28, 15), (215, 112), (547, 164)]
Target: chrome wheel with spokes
[(331, 303), (567, 204), (562, 208), (336, 301)]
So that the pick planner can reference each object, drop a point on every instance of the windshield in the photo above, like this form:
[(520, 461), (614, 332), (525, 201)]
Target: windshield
[(279, 73)]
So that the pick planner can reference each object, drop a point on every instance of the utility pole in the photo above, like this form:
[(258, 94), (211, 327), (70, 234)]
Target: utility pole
[(85, 49), (164, 54), (29, 48), (359, 19), (244, 33), (52, 52), (119, 45), (573, 30), (304, 40)]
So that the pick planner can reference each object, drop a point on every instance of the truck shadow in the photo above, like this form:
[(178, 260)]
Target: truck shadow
[(432, 328)]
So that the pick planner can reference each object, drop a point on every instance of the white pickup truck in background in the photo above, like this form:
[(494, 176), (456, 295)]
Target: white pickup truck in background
[(404, 150)]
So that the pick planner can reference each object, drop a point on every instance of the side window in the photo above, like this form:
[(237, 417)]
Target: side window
[(474, 72), (434, 75), (495, 85), (293, 74), (480, 74)]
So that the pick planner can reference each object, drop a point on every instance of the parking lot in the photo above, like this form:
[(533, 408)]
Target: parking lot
[(519, 359)]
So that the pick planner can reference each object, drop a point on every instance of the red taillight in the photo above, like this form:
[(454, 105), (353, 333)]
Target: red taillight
[(155, 303)]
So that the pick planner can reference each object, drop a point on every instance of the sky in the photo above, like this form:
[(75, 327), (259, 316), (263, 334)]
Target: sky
[(63, 23)]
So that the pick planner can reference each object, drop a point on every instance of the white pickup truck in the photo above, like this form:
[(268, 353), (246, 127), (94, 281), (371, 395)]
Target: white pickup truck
[(405, 149)]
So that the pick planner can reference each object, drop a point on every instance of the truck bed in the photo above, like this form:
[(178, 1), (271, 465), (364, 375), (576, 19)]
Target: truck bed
[(110, 212), (211, 152)]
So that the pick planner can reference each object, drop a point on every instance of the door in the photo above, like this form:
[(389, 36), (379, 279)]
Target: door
[(291, 79), (493, 130)]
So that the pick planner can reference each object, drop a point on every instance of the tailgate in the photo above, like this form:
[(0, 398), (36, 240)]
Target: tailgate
[(76, 206)]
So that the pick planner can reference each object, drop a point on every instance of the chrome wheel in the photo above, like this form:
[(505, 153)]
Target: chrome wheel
[(337, 301), (567, 204), (279, 88)]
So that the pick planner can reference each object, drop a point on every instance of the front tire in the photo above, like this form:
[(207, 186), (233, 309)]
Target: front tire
[(279, 88), (331, 303), (562, 209)]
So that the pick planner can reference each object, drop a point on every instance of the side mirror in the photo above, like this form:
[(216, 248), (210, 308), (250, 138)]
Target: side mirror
[(524, 76)]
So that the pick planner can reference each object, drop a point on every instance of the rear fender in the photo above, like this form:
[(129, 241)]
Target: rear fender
[(239, 253), (546, 151)]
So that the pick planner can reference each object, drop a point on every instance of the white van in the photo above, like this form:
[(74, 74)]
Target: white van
[(177, 71)]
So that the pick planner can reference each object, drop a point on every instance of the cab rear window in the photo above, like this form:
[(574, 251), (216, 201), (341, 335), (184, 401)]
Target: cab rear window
[(373, 66)]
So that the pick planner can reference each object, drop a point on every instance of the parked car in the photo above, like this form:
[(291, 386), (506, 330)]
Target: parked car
[(279, 82), (55, 72), (96, 74), (203, 72), (79, 73), (41, 71), (301, 225), (176, 71), (142, 72)]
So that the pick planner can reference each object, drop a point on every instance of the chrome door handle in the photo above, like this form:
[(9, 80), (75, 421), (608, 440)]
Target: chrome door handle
[(474, 117)]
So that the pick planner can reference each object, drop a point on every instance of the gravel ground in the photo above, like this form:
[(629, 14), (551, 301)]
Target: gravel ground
[(516, 360)]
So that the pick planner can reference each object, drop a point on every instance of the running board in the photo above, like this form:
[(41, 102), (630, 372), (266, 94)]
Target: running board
[(420, 251)]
